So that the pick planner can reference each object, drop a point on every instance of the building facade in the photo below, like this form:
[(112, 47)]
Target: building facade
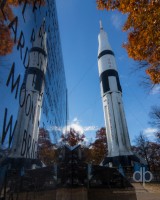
[(33, 84)]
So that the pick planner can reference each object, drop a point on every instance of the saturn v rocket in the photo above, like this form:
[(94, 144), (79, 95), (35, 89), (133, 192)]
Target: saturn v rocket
[(111, 92), (31, 95)]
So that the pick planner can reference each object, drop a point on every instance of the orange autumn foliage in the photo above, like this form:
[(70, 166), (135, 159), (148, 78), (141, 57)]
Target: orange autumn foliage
[(46, 150), (154, 74), (5, 33), (143, 27), (8, 13), (17, 2), (98, 150), (72, 137), (6, 40)]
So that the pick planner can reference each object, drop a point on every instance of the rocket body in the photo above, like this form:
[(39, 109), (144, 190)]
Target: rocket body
[(111, 92), (31, 95)]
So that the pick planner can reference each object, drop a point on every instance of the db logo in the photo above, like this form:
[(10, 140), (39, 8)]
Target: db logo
[(142, 176)]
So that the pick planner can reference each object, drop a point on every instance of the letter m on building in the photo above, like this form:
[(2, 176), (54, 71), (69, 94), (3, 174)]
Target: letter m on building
[(14, 84)]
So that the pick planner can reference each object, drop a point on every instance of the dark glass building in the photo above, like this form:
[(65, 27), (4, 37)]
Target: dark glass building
[(33, 90)]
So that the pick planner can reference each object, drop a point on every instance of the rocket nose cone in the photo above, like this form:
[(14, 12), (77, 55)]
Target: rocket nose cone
[(103, 42), (100, 23)]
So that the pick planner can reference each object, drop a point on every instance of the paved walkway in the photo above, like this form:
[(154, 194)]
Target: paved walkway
[(72, 194), (149, 192)]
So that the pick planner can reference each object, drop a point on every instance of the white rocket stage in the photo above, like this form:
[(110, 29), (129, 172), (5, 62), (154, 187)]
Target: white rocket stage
[(119, 147)]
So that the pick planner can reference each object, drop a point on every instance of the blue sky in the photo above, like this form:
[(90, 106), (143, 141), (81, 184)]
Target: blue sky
[(79, 28)]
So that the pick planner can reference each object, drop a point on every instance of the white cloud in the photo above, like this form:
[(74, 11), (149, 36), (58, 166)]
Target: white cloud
[(75, 124), (90, 128), (76, 120), (76, 127), (117, 20), (55, 128), (150, 132), (155, 90)]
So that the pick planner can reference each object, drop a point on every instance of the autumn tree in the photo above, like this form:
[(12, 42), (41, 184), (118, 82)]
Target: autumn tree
[(30, 2), (5, 33), (154, 156), (142, 146), (155, 121), (158, 137), (148, 150), (155, 116), (72, 137), (46, 150), (143, 28), (98, 150), (6, 39)]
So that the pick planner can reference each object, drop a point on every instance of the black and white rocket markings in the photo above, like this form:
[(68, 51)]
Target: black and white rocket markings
[(111, 92), (25, 140)]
